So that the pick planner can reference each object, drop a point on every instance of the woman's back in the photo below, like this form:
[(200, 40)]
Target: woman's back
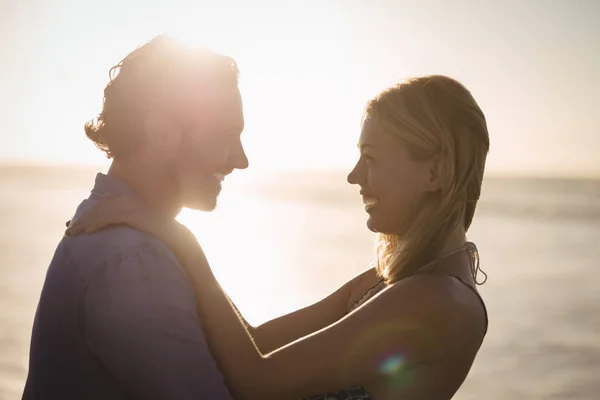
[(443, 374)]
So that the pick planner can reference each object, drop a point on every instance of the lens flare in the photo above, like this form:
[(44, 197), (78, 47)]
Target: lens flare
[(391, 365), (387, 348)]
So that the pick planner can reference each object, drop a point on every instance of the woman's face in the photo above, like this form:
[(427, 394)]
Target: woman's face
[(392, 183)]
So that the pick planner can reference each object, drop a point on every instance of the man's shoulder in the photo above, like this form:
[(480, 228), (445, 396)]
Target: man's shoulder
[(112, 245)]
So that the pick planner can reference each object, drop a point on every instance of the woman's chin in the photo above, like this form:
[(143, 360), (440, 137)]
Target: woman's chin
[(382, 225), (372, 224)]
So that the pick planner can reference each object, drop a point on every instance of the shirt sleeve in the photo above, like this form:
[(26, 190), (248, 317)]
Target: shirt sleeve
[(140, 320)]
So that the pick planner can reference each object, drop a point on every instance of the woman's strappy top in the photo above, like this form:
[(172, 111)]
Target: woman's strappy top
[(359, 392)]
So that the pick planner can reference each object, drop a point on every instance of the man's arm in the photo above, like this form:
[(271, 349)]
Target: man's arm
[(140, 320)]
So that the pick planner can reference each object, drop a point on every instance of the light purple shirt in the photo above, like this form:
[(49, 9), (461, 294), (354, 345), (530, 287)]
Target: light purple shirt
[(117, 319)]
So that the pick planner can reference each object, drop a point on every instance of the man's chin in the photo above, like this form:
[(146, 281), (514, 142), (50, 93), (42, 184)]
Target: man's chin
[(201, 197), (203, 206), (204, 203)]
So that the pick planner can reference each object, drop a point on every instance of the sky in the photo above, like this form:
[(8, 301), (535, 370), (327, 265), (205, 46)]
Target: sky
[(308, 67)]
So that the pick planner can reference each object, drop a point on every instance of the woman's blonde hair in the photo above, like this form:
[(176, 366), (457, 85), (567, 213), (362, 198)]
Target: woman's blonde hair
[(434, 116)]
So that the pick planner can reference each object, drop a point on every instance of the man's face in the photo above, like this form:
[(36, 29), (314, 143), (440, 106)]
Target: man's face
[(210, 149)]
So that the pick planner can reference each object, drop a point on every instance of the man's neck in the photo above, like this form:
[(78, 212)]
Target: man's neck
[(154, 185)]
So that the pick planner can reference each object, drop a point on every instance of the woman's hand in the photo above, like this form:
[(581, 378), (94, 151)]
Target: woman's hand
[(131, 211), (112, 210)]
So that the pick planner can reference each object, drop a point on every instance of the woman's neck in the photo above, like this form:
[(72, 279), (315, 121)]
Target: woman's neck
[(455, 240)]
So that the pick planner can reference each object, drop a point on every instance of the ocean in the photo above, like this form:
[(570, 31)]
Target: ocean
[(280, 241)]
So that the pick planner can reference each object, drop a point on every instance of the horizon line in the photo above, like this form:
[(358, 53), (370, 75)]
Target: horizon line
[(493, 174)]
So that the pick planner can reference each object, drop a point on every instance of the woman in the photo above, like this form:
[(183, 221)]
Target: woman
[(410, 327)]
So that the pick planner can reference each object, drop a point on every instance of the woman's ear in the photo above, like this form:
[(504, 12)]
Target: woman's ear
[(434, 182)]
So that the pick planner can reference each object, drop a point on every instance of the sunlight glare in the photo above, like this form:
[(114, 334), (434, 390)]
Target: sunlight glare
[(245, 254)]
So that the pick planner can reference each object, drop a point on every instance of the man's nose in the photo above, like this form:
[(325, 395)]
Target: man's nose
[(239, 160)]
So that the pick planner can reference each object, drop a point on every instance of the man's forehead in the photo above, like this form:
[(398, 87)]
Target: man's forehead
[(216, 107), (226, 110), (213, 97)]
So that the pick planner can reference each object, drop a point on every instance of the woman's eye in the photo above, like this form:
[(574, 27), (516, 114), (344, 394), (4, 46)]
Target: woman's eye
[(367, 158)]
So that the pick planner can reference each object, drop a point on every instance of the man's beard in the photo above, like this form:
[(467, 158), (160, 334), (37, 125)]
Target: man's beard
[(199, 193), (199, 198), (195, 191)]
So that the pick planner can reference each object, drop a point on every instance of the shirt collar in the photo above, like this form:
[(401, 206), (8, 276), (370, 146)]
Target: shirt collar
[(106, 184)]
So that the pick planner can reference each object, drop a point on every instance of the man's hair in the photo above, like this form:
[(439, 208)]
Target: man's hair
[(160, 73)]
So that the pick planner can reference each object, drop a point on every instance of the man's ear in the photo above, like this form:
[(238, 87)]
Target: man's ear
[(161, 133), (434, 182)]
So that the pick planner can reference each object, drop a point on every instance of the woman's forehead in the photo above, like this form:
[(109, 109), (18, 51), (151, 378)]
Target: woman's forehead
[(372, 135)]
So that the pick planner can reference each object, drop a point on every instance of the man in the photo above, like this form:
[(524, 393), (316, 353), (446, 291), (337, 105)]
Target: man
[(117, 315)]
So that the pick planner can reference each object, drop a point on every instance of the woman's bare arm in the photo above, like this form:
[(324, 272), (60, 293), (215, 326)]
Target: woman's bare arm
[(405, 326), (283, 330), (268, 336), (410, 319)]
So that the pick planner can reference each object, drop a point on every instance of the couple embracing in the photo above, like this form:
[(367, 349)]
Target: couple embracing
[(130, 308)]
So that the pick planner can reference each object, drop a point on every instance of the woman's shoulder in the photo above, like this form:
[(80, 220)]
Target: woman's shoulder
[(430, 317), (438, 303)]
